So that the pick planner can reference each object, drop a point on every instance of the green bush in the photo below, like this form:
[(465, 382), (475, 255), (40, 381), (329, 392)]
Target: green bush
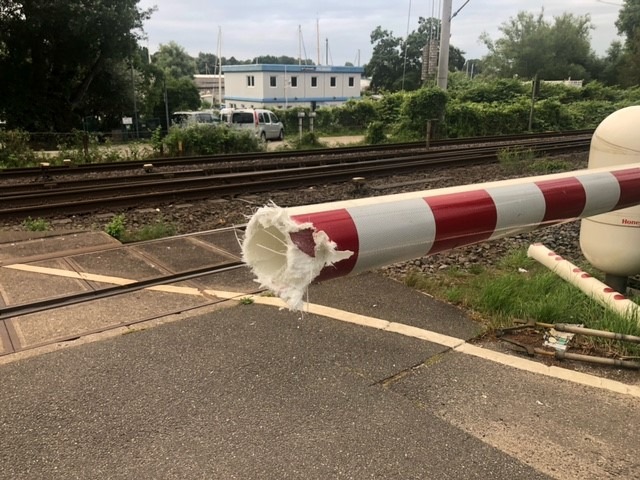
[(36, 224), (463, 119), (158, 229), (376, 133), (515, 159), (551, 115), (356, 115), (210, 139), (421, 106), (502, 90), (14, 149), (589, 114), (116, 227), (309, 140), (389, 107)]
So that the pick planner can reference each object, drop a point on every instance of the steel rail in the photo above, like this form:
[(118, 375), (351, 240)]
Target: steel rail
[(220, 158), (50, 184), (22, 309), (231, 184), (49, 180), (223, 175)]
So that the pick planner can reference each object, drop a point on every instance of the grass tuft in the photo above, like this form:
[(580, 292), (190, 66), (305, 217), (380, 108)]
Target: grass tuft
[(36, 224), (520, 288)]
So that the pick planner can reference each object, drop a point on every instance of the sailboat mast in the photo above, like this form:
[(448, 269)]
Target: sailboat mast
[(219, 53)]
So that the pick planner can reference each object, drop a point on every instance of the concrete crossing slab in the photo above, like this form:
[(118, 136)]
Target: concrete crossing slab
[(181, 254), (23, 286), (13, 251)]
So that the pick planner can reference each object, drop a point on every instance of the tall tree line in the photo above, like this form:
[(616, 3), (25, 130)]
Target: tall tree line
[(62, 62), (530, 45)]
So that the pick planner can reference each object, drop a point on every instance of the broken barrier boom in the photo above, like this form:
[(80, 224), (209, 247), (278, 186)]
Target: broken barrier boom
[(288, 248)]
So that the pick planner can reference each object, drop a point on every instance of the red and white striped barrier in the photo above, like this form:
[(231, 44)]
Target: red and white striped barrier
[(593, 287), (289, 248)]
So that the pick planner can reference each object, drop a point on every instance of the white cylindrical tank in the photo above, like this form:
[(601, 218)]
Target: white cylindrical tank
[(611, 241)]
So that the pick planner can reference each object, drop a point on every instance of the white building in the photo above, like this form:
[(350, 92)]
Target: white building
[(286, 86)]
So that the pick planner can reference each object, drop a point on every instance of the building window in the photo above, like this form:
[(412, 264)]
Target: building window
[(272, 81), (294, 82), (352, 81), (332, 81), (251, 81), (314, 81)]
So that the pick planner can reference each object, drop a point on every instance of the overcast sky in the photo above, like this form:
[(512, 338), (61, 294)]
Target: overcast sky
[(270, 27)]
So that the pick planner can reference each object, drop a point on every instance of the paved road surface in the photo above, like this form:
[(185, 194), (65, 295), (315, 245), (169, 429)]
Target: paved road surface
[(253, 392)]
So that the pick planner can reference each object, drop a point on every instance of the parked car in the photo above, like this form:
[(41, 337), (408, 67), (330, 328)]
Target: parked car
[(264, 123), (186, 119)]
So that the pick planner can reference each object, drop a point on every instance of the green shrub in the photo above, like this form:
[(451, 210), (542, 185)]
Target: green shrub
[(209, 140), (420, 106), (356, 114), (515, 159), (309, 140), (546, 166), (551, 115), (116, 227), (376, 133), (14, 149), (589, 114), (502, 90), (159, 229), (157, 140), (36, 224), (389, 107)]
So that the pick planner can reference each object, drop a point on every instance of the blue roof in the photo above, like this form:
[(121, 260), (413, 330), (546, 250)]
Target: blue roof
[(259, 67)]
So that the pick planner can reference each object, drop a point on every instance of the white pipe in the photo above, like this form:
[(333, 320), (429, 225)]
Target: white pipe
[(593, 287), (289, 248)]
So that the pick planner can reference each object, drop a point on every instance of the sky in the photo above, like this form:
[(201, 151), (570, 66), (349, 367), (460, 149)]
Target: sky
[(250, 28)]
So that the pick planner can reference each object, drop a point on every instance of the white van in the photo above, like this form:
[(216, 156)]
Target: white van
[(264, 123)]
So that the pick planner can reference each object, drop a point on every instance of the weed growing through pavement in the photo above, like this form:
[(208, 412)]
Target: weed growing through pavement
[(159, 229), (246, 300), (36, 224), (116, 227)]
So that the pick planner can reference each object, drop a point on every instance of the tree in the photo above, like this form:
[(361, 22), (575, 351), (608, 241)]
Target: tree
[(532, 46), (385, 61), (628, 71), (175, 61), (207, 63), (170, 85), (627, 23), (281, 60), (396, 64), (58, 58)]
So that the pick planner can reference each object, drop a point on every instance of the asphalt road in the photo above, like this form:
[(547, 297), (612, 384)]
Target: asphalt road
[(253, 392)]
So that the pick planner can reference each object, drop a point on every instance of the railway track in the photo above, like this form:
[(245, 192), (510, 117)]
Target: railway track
[(13, 311), (49, 194), (212, 160), (47, 316)]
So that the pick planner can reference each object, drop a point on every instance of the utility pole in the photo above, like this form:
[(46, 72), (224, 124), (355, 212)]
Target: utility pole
[(445, 34), (135, 104), (326, 51)]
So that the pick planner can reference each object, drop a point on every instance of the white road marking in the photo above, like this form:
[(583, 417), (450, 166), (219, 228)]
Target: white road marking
[(92, 277), (456, 344)]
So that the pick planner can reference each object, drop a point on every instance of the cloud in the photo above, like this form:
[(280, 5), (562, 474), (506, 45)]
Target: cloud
[(254, 27)]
